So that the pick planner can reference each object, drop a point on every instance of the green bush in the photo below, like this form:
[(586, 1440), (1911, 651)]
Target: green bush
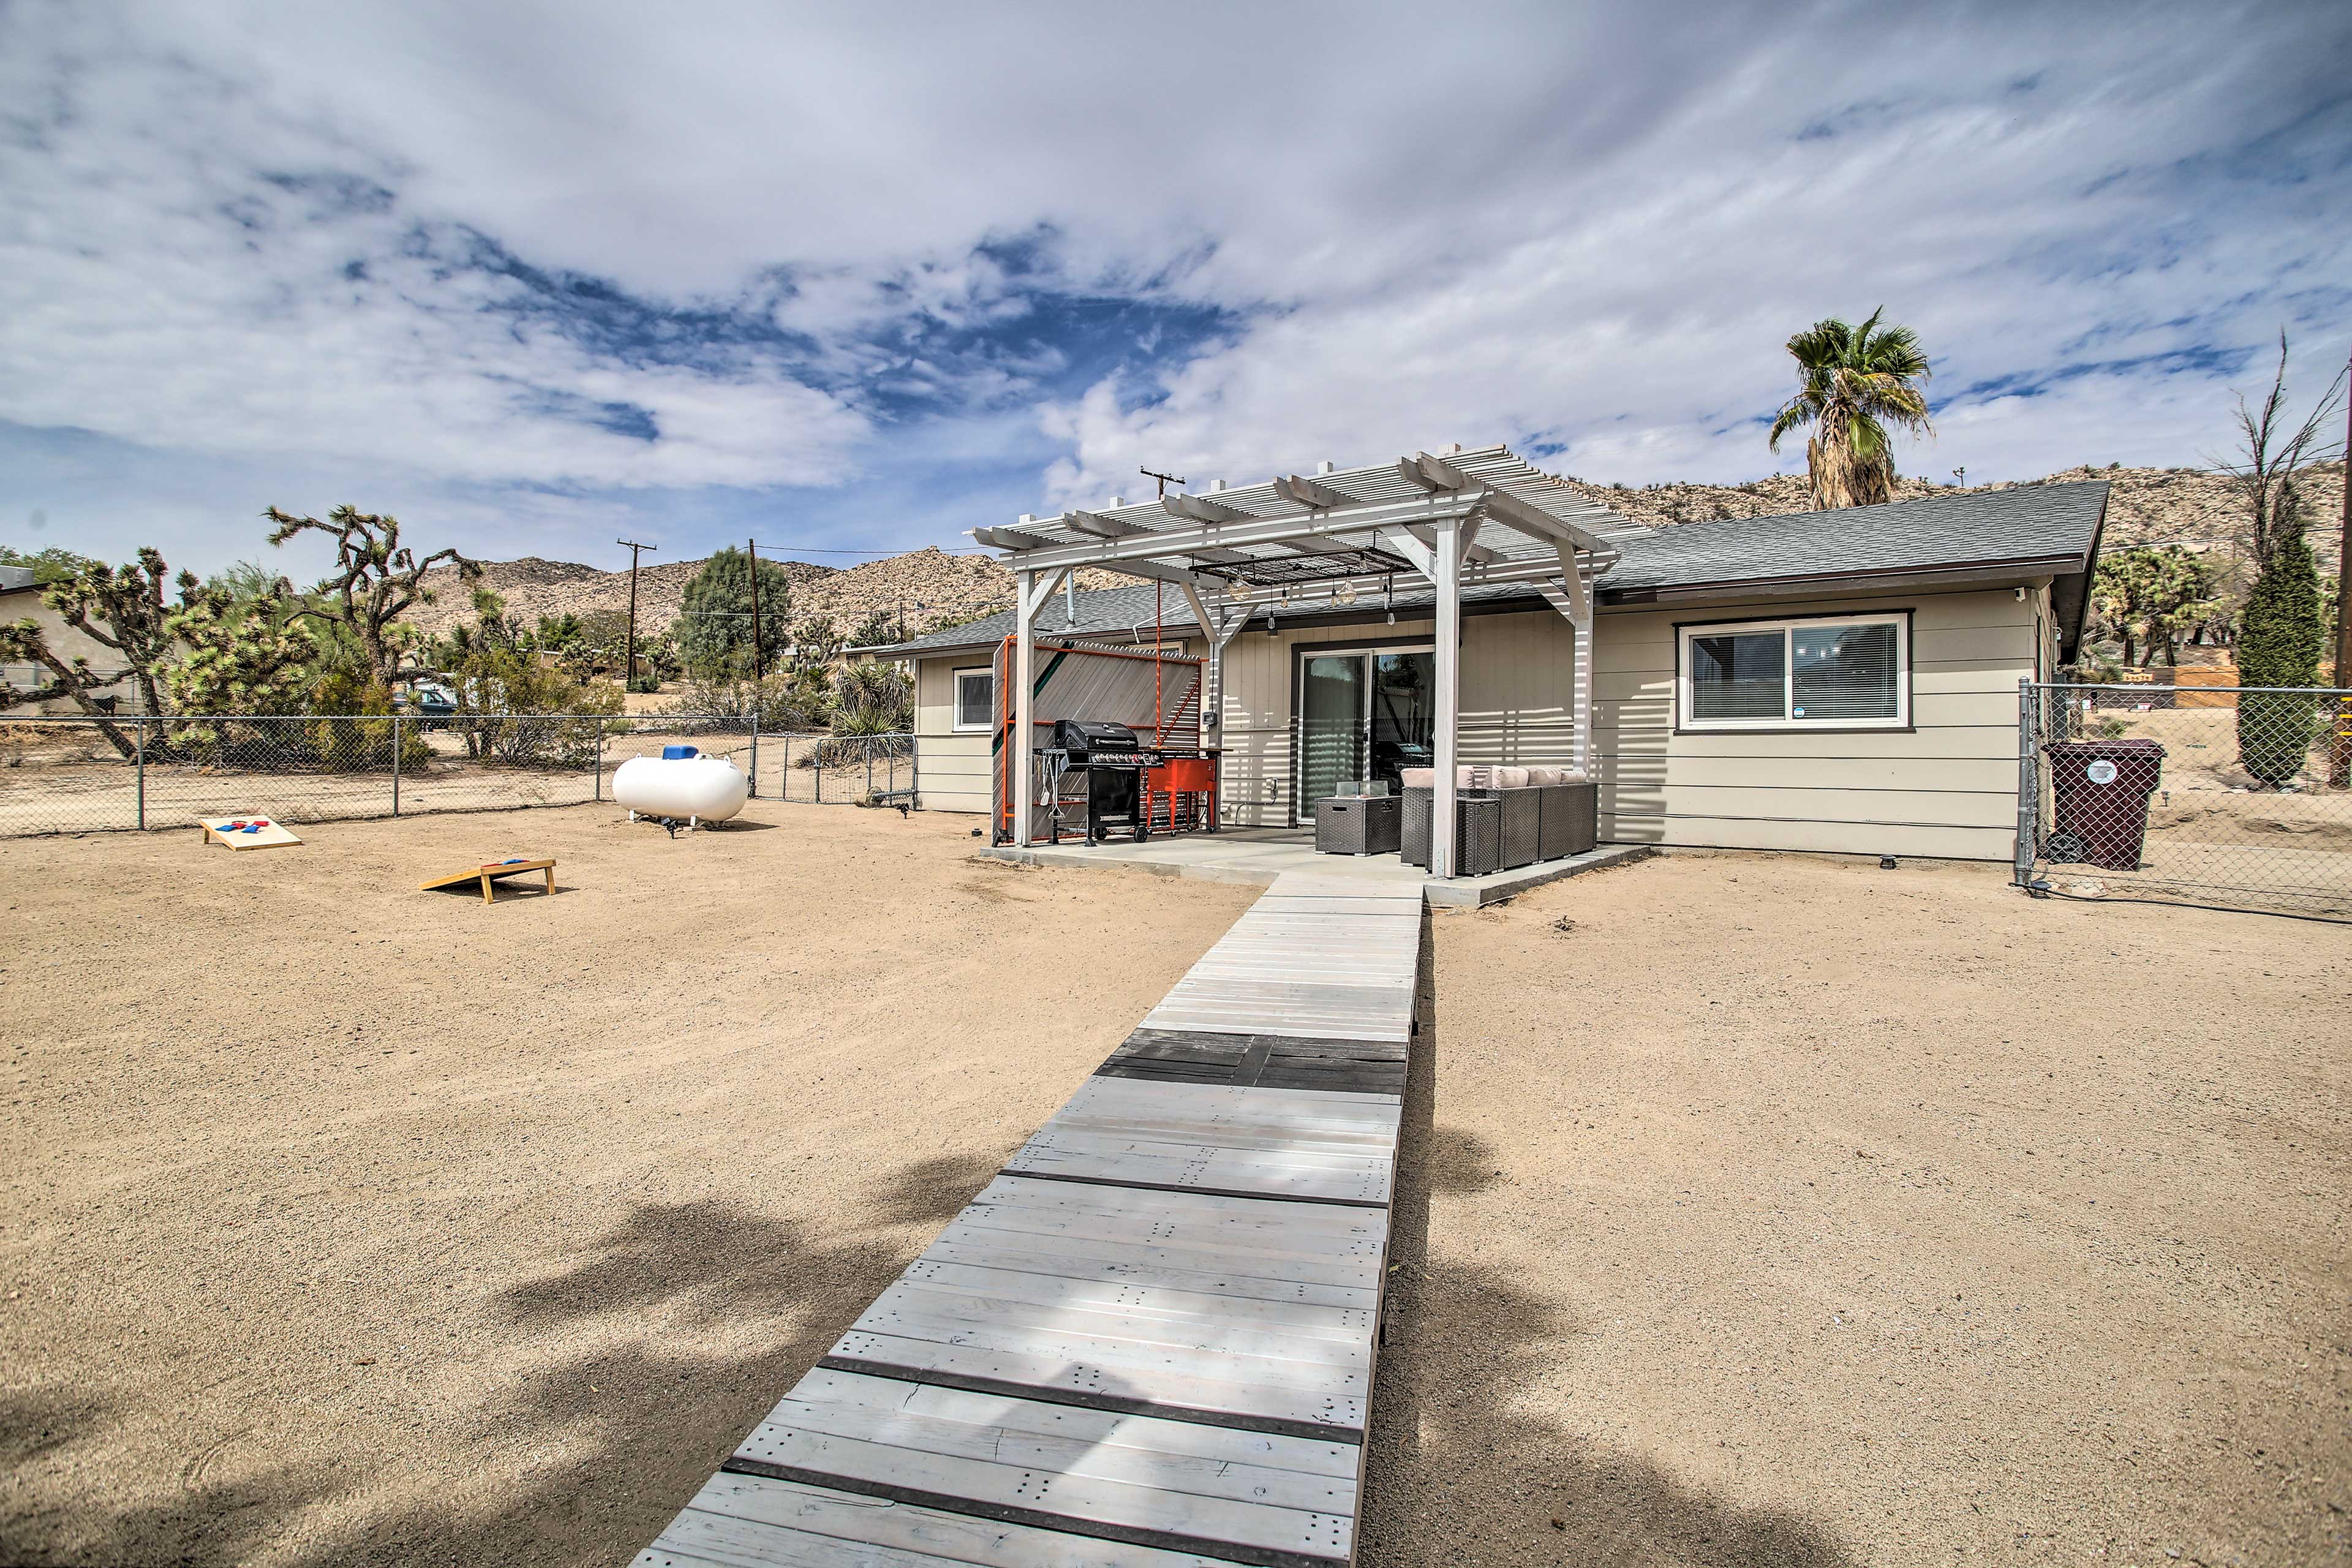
[(517, 709), (353, 728)]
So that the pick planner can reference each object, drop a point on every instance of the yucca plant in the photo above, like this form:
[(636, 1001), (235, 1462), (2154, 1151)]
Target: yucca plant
[(875, 700)]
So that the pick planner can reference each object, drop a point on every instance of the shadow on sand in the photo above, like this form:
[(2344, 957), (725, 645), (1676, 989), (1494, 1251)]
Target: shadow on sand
[(629, 1431)]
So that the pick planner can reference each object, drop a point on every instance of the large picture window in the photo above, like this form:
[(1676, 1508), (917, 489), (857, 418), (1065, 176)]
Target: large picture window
[(1850, 672), (975, 699)]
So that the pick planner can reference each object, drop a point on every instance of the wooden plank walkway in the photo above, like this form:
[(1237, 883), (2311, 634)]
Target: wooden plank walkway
[(1149, 1342)]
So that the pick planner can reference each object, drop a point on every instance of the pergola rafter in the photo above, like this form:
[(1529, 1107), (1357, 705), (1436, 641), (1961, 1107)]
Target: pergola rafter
[(1480, 518)]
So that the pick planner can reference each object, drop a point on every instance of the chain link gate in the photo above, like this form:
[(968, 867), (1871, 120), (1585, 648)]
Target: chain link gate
[(2217, 794)]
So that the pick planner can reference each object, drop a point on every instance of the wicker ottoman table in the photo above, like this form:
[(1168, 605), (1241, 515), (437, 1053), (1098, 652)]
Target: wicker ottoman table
[(1359, 825)]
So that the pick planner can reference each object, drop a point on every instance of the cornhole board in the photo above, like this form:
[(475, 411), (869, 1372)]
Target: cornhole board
[(487, 875), (247, 832)]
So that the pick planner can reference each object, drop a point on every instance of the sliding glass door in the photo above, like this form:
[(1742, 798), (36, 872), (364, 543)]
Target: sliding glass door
[(1362, 713), (1330, 724)]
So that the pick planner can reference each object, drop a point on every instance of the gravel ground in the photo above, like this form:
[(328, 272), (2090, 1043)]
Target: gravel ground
[(1783, 1210), (1757, 1210)]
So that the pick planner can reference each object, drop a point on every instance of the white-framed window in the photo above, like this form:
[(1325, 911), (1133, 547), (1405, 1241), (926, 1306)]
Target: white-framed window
[(1807, 672), (975, 699)]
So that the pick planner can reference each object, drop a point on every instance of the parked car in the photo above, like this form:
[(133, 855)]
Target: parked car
[(430, 699)]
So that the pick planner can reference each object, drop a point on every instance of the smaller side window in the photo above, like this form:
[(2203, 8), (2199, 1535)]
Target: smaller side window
[(975, 699)]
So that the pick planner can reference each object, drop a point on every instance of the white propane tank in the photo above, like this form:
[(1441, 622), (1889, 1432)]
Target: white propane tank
[(690, 788)]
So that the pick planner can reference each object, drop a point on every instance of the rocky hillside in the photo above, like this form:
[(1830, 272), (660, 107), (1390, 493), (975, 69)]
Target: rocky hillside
[(2194, 506), (936, 588), (932, 587)]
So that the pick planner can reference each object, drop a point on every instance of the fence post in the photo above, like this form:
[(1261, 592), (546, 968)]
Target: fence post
[(142, 774), (398, 736), (817, 773), (597, 763), (755, 748), (869, 764), (2029, 783)]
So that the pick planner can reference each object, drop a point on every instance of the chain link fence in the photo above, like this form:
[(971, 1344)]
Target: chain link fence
[(87, 774), (2237, 796)]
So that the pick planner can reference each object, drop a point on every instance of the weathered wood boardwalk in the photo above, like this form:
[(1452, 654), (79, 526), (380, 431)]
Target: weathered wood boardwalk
[(1149, 1342)]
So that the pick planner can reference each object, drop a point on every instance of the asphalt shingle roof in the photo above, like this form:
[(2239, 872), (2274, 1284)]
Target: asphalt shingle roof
[(2053, 524)]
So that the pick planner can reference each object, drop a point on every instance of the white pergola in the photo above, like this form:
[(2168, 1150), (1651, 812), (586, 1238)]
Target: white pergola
[(1461, 519)]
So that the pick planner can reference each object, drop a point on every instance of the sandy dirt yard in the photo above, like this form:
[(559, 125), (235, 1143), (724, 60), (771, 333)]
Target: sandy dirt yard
[(1755, 1210), (1783, 1210), (348, 1224)]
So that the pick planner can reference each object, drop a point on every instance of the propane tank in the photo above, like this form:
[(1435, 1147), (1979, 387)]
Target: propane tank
[(689, 787)]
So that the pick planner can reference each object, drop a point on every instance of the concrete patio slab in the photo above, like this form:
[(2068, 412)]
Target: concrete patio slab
[(1258, 855)]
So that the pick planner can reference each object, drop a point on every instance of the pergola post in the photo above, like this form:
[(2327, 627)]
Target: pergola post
[(1448, 581), (1572, 597), (1020, 768)]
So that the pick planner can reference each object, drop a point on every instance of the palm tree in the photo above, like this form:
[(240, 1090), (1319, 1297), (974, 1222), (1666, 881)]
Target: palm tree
[(1852, 383)]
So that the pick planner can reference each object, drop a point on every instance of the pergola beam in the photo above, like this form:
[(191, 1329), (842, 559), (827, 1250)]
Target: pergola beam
[(1175, 543), (1154, 571), (1313, 494), (1012, 539), (1511, 511), (1100, 525), (1200, 508)]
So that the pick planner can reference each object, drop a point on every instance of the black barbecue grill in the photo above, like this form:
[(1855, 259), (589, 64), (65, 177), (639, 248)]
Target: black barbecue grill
[(1100, 777)]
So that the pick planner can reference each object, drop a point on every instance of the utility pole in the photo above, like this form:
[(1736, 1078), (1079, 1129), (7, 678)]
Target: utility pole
[(759, 643), (629, 663), (1165, 479), (2339, 756)]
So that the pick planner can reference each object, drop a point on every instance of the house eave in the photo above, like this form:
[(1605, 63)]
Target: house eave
[(2016, 571)]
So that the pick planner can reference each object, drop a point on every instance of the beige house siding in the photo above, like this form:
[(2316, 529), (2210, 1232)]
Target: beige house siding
[(952, 770), (1947, 788), (1516, 673), (1944, 788)]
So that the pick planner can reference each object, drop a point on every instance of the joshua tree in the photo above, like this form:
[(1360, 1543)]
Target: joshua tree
[(1853, 382), (376, 579), (213, 651), (2153, 595)]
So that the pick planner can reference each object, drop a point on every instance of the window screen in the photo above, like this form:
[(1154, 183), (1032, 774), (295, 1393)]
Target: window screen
[(1843, 672), (1738, 675), (975, 693)]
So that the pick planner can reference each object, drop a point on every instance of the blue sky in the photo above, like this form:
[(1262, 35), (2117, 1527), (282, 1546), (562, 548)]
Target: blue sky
[(537, 277)]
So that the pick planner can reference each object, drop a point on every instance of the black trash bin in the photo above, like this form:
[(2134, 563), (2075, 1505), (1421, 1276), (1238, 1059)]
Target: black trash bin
[(2099, 792)]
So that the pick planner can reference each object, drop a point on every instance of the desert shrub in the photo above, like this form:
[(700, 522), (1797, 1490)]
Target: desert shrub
[(786, 700), (873, 698), (353, 729), (517, 709)]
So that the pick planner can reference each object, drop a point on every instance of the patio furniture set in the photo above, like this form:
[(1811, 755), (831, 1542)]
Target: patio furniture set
[(1505, 817)]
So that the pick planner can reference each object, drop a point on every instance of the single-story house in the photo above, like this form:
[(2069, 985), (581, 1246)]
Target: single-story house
[(1840, 681)]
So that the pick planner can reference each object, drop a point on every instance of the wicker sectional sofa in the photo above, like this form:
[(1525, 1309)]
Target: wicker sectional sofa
[(1507, 816)]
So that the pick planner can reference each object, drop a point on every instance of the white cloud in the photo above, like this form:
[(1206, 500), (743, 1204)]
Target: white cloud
[(1586, 228)]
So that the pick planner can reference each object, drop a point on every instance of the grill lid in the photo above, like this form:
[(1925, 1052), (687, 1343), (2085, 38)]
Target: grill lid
[(1084, 737)]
